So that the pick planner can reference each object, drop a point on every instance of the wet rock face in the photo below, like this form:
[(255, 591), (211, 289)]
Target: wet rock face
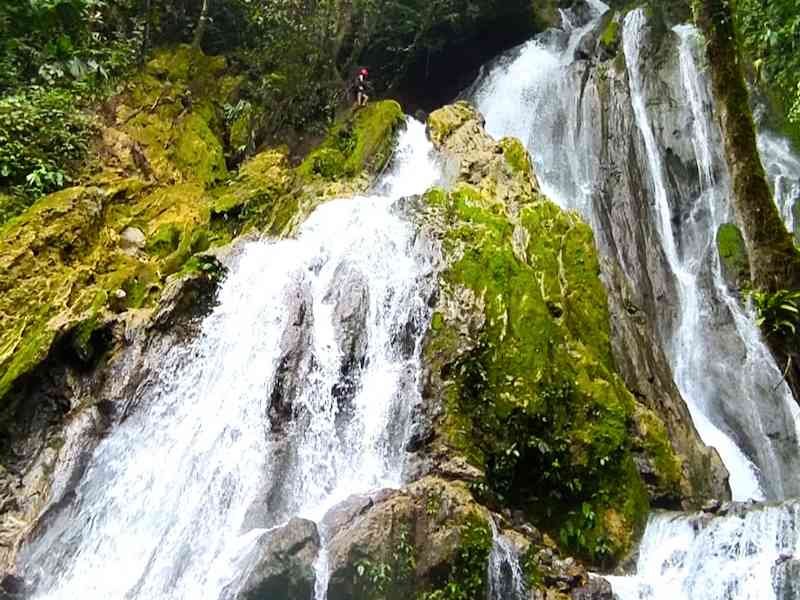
[(62, 409), (285, 568), (293, 363), (641, 288), (786, 578), (349, 296)]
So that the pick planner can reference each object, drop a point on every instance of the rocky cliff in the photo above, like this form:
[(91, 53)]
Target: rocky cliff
[(543, 419)]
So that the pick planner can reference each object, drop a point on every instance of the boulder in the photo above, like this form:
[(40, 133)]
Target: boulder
[(131, 240), (410, 540), (285, 567)]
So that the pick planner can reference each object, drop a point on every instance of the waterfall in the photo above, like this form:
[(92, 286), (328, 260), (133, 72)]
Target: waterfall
[(534, 98), (742, 556), (504, 576), (722, 368), (690, 367), (539, 94), (297, 394), (783, 169)]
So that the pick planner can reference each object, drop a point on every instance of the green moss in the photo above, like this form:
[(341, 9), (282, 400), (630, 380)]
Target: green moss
[(732, 253), (517, 156), (11, 206), (537, 404), (164, 240), (198, 152), (466, 579), (327, 163), (361, 141), (442, 123), (611, 35), (82, 335), (654, 439)]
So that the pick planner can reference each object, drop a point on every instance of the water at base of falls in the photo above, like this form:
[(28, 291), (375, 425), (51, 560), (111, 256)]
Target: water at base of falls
[(297, 394), (750, 556)]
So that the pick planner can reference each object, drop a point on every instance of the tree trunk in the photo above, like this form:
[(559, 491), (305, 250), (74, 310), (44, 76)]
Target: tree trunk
[(200, 30), (774, 261), (146, 33)]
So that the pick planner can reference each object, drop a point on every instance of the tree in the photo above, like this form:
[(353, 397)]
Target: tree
[(202, 24), (774, 261)]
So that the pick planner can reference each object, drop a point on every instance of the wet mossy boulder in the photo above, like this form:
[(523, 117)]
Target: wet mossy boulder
[(520, 354), (361, 141), (173, 111), (733, 256)]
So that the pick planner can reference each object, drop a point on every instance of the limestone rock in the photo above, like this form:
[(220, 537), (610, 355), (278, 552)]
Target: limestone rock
[(416, 532), (285, 568), (519, 383), (132, 239)]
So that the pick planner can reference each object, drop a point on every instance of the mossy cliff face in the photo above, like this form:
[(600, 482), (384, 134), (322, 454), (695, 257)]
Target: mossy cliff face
[(83, 268), (152, 200), (520, 354)]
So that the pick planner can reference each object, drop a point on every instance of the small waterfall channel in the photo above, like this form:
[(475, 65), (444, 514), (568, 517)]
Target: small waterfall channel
[(297, 394), (505, 579), (721, 367)]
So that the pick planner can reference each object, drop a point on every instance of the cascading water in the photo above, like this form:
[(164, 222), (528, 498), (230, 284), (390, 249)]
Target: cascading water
[(783, 169), (750, 556), (504, 576), (297, 394), (540, 97), (719, 362)]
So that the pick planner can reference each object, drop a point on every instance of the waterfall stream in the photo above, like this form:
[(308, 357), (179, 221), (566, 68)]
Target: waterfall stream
[(296, 395), (505, 579), (722, 368)]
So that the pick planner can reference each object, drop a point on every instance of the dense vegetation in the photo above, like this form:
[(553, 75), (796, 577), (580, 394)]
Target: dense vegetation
[(770, 34), (60, 57)]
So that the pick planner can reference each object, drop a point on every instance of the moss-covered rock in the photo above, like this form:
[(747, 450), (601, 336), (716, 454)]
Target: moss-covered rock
[(733, 255), (414, 543), (361, 141), (173, 111), (63, 263), (521, 346)]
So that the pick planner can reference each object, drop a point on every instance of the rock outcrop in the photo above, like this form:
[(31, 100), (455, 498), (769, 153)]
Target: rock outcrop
[(520, 353), (285, 567)]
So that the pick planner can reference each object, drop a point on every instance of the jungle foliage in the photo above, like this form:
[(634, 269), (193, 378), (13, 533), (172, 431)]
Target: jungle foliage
[(58, 58), (770, 33)]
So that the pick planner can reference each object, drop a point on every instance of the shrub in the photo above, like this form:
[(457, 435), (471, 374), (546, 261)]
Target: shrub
[(41, 133)]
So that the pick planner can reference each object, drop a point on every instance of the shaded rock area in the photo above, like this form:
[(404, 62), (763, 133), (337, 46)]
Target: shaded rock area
[(285, 567), (62, 409)]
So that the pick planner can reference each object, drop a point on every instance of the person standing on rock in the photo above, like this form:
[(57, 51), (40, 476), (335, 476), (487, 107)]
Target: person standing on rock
[(361, 88)]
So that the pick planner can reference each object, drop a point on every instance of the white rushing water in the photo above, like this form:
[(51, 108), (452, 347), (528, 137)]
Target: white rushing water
[(532, 97), (504, 577), (687, 351), (178, 493), (783, 169), (752, 556)]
